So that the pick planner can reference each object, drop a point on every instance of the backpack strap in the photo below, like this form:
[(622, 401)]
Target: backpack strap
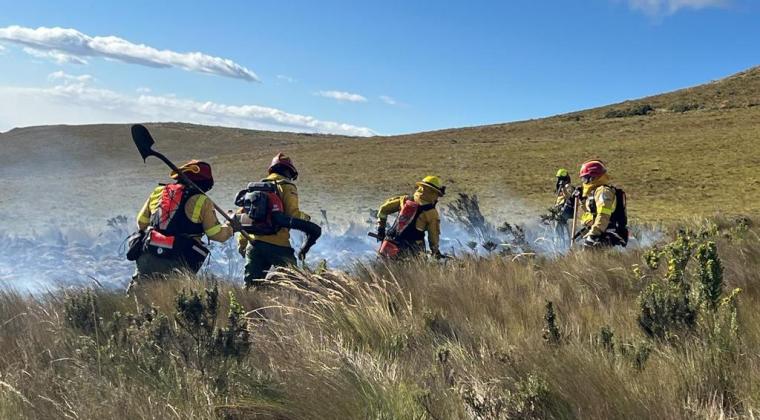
[(427, 207)]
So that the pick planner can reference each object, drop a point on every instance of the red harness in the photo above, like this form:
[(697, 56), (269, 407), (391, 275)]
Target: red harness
[(171, 198)]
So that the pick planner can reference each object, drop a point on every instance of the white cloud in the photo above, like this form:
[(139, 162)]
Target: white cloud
[(341, 96), (388, 100), (75, 101), (285, 78), (67, 78), (55, 56), (2, 49), (144, 90), (667, 7), (69, 45)]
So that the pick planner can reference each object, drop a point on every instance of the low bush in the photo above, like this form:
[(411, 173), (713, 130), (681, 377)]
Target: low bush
[(632, 111)]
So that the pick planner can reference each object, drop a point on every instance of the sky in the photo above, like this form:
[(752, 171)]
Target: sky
[(357, 68)]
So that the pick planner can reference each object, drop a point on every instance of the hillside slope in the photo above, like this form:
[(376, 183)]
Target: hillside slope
[(693, 151)]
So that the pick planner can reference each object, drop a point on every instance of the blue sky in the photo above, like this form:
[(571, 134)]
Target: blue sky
[(353, 67)]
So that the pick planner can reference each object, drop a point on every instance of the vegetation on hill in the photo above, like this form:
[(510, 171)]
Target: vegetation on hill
[(689, 152), (667, 333)]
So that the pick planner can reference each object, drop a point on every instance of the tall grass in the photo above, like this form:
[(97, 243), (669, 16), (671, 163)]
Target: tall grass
[(471, 338)]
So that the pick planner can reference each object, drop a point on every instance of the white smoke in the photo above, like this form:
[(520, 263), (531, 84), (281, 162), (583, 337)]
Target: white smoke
[(58, 257)]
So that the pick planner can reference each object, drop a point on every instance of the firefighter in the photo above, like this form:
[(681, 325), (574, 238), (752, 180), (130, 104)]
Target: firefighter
[(417, 215), (274, 250), (605, 218), (174, 220), (565, 192)]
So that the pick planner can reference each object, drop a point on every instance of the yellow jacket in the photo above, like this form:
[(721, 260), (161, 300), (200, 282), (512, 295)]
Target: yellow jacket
[(428, 221), (288, 193), (565, 193), (199, 209), (605, 201)]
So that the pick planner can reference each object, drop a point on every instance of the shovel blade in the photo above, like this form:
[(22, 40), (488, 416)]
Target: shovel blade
[(143, 140)]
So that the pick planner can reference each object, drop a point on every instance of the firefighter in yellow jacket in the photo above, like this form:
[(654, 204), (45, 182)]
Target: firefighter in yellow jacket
[(417, 215), (269, 251), (174, 220), (565, 197), (605, 217)]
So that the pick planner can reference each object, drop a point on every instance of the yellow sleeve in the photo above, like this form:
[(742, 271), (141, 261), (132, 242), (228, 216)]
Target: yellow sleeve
[(605, 205), (242, 241), (211, 226), (434, 231), (565, 193), (143, 217), (289, 195), (392, 205)]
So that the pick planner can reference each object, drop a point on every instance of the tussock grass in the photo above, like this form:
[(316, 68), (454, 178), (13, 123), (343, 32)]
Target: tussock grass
[(467, 339)]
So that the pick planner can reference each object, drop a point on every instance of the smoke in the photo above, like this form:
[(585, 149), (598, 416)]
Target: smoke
[(57, 257)]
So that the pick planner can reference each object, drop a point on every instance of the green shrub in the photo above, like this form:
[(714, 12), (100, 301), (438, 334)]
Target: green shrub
[(665, 310), (633, 111), (605, 339), (551, 333), (682, 107), (668, 307), (523, 398), (710, 274), (81, 312), (665, 306)]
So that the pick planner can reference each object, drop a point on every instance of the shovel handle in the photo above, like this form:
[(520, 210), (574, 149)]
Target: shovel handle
[(575, 221), (185, 178)]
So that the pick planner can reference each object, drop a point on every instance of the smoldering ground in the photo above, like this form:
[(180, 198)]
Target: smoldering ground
[(54, 256)]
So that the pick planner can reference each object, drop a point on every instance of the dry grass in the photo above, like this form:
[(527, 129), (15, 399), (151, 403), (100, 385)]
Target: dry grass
[(465, 339)]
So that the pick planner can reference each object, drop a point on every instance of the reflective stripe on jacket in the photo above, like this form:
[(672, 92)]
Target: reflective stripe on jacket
[(600, 205), (428, 221), (199, 209)]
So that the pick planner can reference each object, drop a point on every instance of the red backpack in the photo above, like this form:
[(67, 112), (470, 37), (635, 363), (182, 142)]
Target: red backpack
[(404, 234), (260, 202)]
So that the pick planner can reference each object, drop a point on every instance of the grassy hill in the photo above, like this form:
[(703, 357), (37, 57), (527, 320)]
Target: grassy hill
[(661, 333), (682, 153)]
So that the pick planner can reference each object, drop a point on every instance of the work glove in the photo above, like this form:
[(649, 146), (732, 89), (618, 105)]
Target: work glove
[(591, 241), (234, 223), (381, 230), (578, 193), (242, 250), (310, 241)]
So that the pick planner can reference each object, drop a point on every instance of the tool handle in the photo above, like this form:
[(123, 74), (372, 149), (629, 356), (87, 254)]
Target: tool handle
[(192, 184), (575, 220)]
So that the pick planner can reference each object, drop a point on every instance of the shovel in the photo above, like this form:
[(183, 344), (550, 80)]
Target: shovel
[(575, 221), (144, 142)]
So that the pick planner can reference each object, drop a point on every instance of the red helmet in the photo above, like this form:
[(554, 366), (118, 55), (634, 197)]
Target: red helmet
[(593, 169), (282, 160), (197, 171)]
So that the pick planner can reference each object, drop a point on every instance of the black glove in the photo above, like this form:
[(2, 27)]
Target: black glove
[(578, 193), (591, 241), (310, 241), (381, 230), (234, 223)]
